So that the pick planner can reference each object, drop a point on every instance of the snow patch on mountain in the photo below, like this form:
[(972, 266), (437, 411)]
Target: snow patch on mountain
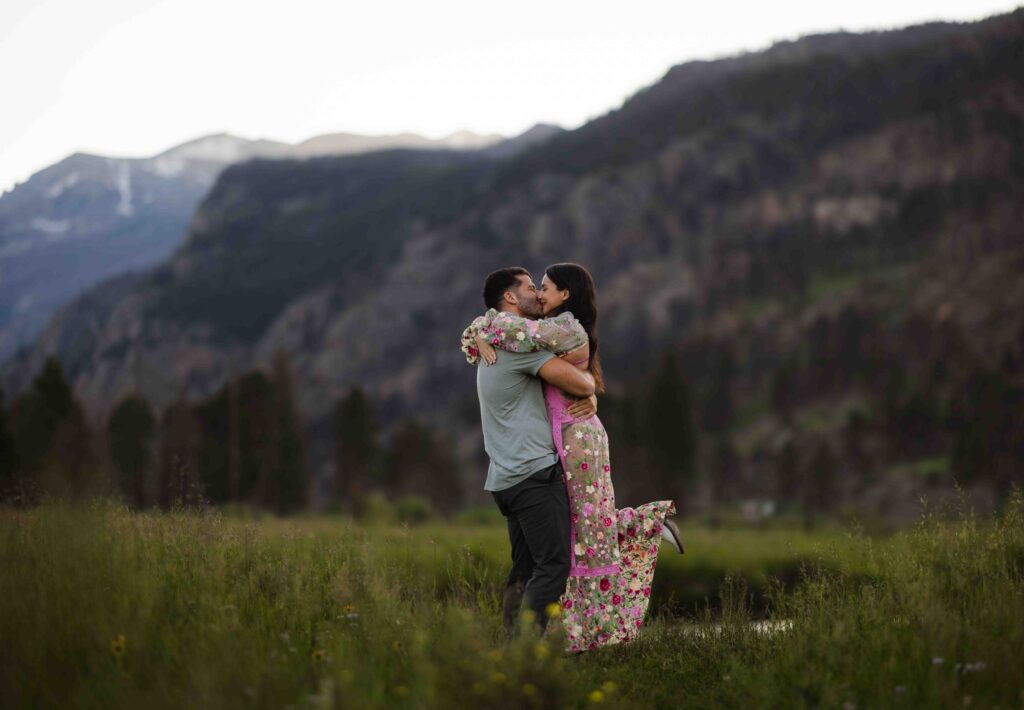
[(50, 226), (61, 185), (220, 148), (168, 166), (124, 187)]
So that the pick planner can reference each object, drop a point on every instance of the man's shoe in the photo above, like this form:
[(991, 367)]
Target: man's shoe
[(670, 532)]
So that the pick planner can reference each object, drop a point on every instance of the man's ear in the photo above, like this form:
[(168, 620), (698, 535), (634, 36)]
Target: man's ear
[(510, 298)]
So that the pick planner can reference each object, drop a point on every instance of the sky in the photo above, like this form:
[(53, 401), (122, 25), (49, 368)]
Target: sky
[(131, 78)]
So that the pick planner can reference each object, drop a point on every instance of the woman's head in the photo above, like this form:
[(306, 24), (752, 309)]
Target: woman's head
[(570, 287)]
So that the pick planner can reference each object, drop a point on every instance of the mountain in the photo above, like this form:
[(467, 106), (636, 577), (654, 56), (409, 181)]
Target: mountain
[(347, 143), (90, 217), (850, 196), (527, 140)]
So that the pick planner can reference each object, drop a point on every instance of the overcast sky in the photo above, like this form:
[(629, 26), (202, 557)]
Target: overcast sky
[(130, 78)]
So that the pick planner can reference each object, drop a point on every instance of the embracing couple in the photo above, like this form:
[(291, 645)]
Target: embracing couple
[(574, 554)]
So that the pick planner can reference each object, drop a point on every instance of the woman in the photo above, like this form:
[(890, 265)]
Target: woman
[(614, 552)]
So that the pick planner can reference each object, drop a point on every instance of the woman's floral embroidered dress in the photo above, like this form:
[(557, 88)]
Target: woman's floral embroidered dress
[(614, 551)]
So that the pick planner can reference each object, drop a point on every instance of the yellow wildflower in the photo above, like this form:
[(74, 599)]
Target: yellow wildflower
[(541, 651), (348, 608), (499, 678), (529, 689), (609, 687), (529, 615), (495, 655), (596, 696), (397, 645), (117, 645), (553, 609), (317, 655)]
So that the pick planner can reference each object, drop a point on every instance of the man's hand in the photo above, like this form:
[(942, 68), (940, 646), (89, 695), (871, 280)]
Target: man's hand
[(584, 408)]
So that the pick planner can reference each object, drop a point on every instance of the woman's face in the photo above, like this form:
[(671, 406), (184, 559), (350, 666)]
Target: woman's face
[(550, 296)]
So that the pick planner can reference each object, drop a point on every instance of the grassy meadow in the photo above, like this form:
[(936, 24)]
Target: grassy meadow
[(103, 607)]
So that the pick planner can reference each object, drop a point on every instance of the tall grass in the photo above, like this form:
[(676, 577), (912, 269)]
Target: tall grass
[(100, 607)]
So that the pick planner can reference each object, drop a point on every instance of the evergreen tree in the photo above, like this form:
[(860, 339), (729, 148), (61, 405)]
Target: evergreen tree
[(39, 412), (130, 432), (719, 408), (672, 431), (236, 445), (726, 474), (355, 438), (855, 450), (787, 472), (852, 327), (179, 457), (9, 489), (52, 439), (289, 473), (818, 482), (784, 389), (420, 462), (985, 417)]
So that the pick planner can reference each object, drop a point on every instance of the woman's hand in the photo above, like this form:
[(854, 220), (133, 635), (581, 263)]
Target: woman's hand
[(487, 352)]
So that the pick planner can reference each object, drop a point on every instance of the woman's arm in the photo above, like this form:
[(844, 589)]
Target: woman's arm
[(513, 333), (472, 331)]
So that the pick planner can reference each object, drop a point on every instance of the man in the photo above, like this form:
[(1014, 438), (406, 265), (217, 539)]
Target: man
[(525, 472)]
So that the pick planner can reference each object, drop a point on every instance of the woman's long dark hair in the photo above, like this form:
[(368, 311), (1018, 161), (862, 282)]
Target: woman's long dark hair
[(582, 303)]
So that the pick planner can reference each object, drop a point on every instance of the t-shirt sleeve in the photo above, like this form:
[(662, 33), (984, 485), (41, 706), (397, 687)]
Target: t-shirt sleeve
[(530, 363)]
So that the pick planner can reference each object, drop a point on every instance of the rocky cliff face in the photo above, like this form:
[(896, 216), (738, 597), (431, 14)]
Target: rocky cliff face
[(734, 200)]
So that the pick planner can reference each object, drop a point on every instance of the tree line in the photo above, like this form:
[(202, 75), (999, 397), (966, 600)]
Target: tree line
[(675, 433), (244, 444)]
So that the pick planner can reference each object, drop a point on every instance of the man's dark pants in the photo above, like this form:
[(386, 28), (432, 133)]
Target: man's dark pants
[(537, 511)]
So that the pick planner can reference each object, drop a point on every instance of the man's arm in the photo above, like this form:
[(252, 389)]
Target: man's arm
[(583, 408), (567, 377)]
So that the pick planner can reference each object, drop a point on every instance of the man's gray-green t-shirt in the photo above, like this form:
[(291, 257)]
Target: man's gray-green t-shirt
[(517, 433)]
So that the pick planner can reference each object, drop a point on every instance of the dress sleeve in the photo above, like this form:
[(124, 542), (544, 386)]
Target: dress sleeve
[(479, 323), (561, 334)]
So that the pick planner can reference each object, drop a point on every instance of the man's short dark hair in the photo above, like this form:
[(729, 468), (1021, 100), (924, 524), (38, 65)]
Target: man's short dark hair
[(500, 281)]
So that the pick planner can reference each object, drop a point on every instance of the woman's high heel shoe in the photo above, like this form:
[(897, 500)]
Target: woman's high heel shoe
[(670, 532)]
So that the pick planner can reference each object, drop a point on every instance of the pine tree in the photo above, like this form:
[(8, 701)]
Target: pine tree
[(9, 489), (787, 473), (726, 474), (671, 430), (719, 409), (818, 482), (53, 440), (356, 450), (784, 388), (179, 457), (420, 462), (289, 472), (130, 430), (39, 412), (235, 451)]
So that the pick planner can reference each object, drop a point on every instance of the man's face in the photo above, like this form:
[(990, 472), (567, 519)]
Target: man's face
[(526, 293)]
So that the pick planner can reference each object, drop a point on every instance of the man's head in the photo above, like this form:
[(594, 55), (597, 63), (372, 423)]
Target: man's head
[(512, 289)]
